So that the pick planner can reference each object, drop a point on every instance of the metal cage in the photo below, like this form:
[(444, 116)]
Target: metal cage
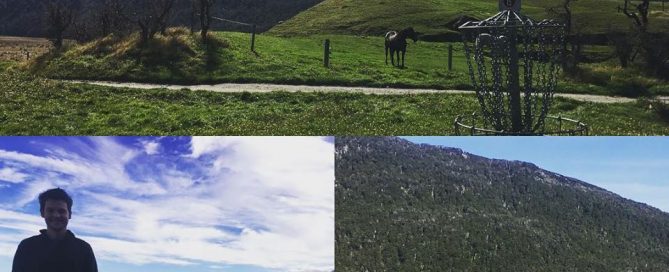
[(497, 50)]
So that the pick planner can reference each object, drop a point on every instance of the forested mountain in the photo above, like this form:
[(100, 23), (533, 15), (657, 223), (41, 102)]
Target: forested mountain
[(27, 17), (407, 207)]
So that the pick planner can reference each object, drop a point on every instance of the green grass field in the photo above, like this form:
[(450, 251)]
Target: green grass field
[(35, 106), (355, 61)]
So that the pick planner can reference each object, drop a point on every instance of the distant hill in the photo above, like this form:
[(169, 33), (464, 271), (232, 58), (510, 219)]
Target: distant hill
[(434, 17), (407, 207), (26, 17)]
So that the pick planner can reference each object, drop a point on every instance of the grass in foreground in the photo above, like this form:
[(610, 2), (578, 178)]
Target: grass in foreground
[(34, 106)]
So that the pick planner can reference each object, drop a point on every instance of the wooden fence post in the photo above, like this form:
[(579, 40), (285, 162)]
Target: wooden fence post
[(450, 57), (326, 53), (253, 38)]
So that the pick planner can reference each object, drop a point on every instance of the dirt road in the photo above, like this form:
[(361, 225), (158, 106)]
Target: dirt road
[(254, 87)]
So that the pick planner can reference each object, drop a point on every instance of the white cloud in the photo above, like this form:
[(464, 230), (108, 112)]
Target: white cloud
[(33, 190), (19, 226), (12, 175), (106, 168), (151, 147)]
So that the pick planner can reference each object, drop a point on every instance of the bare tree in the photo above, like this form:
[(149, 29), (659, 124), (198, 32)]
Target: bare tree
[(151, 16), (59, 17), (193, 14), (572, 54), (205, 17), (654, 47), (110, 17), (640, 16)]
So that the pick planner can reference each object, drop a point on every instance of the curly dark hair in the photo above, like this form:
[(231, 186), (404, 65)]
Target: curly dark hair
[(55, 194)]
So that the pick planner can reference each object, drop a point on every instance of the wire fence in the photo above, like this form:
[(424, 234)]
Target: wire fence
[(253, 29)]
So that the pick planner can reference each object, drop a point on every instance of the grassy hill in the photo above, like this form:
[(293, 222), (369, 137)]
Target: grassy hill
[(432, 16)]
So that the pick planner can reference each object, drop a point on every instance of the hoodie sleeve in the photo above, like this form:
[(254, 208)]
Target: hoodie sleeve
[(91, 265), (19, 259)]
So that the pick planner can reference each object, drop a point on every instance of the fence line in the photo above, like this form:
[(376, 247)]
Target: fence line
[(231, 21), (253, 29)]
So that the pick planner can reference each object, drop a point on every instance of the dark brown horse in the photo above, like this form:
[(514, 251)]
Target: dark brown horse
[(396, 42)]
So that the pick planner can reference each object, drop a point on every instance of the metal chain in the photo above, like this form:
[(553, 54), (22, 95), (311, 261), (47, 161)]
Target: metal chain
[(539, 46)]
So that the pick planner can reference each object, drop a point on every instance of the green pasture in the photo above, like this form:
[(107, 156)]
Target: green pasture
[(32, 105), (354, 61)]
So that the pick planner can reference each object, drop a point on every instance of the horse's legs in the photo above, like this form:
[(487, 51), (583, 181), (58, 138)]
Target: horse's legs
[(398, 57), (386, 54), (403, 53), (392, 56)]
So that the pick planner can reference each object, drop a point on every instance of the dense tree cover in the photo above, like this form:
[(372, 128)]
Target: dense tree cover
[(407, 207)]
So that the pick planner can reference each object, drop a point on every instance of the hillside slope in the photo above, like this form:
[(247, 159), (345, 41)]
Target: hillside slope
[(433, 16), (407, 207)]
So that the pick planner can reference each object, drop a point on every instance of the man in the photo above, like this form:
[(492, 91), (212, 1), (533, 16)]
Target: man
[(55, 249)]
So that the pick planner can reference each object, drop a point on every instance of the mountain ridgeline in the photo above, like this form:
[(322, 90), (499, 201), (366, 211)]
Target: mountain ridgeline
[(401, 206)]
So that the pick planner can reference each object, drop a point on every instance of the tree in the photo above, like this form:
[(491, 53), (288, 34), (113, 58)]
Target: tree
[(151, 16), (205, 17), (60, 16), (572, 54), (640, 17), (652, 46), (110, 17)]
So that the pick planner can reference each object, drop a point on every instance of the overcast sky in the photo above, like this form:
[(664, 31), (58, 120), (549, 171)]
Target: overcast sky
[(633, 167), (178, 203)]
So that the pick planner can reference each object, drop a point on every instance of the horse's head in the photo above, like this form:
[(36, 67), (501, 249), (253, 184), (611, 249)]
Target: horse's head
[(410, 33)]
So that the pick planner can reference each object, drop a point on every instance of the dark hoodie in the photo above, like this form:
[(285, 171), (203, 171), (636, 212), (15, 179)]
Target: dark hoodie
[(42, 254)]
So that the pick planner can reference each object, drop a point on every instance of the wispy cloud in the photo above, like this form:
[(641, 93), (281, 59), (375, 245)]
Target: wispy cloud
[(259, 201), (151, 147), (12, 175)]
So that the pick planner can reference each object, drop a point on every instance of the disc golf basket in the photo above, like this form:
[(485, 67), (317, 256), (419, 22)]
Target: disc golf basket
[(514, 63)]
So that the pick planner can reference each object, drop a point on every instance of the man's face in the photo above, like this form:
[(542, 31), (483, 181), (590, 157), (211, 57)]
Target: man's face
[(55, 214)]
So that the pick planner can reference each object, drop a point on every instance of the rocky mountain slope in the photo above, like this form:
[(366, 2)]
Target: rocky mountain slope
[(407, 207)]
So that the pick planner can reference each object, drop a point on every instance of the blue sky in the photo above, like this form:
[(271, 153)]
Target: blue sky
[(636, 168), (178, 203)]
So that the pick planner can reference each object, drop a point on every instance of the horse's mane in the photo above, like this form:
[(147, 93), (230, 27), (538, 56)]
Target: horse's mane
[(391, 35)]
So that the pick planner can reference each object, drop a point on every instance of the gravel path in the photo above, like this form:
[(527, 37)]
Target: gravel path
[(254, 87)]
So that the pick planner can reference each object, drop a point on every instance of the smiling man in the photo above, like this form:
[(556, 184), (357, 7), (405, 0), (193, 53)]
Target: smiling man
[(56, 249)]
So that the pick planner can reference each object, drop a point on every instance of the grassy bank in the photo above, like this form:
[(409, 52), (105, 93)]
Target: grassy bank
[(433, 17), (355, 61), (4, 65), (35, 106)]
